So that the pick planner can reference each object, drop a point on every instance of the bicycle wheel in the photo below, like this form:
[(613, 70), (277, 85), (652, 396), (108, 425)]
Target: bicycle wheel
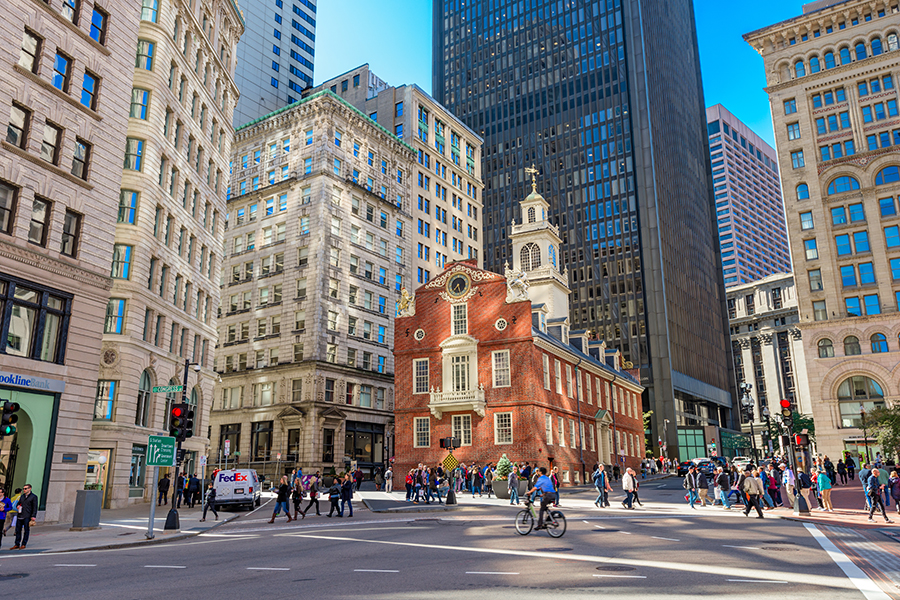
[(524, 522), (560, 528)]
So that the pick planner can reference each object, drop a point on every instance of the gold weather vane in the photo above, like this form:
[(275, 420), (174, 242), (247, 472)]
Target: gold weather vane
[(533, 172)]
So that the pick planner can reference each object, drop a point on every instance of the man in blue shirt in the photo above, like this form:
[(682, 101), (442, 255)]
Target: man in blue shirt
[(548, 494)]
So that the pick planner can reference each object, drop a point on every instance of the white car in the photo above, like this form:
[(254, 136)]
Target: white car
[(740, 461)]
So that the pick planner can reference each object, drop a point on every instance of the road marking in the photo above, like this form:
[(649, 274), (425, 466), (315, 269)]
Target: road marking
[(164, 567), (756, 581), (375, 571), (862, 581), (743, 547), (489, 573), (626, 532), (66, 565), (662, 538), (268, 569), (623, 576), (599, 526), (586, 522)]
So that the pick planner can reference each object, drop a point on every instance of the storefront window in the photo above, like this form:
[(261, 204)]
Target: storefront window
[(293, 449), (855, 393), (328, 446), (364, 443), (37, 318), (138, 462), (261, 440)]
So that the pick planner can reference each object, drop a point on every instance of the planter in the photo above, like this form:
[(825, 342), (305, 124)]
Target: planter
[(87, 509), (501, 488)]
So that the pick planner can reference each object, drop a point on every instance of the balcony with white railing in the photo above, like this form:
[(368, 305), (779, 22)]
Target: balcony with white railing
[(459, 401)]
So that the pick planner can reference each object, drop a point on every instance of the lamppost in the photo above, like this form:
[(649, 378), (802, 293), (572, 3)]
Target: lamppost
[(765, 413), (747, 403), (666, 442), (862, 414)]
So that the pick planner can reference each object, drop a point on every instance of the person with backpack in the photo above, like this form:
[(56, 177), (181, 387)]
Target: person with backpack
[(334, 495), (313, 488), (210, 502), (842, 471), (851, 467), (723, 484), (347, 494), (297, 498), (601, 484)]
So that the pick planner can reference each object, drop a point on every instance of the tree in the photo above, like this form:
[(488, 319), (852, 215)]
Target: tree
[(884, 423), (504, 467)]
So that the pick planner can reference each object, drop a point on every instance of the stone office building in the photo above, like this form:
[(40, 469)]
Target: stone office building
[(165, 259), (66, 71), (832, 76), (316, 253)]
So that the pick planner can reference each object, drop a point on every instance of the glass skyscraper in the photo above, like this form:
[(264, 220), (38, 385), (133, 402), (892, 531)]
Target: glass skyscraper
[(605, 98)]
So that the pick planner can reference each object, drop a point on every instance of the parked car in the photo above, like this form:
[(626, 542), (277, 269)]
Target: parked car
[(683, 468), (707, 467), (740, 461)]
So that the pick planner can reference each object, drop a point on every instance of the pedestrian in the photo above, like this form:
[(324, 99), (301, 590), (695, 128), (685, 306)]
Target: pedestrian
[(723, 484), (851, 466), (873, 486), (601, 484), (703, 489), (554, 477), (830, 469), (281, 500), (804, 485), (512, 481), (418, 483), (774, 477), (752, 487), (193, 491), (823, 482), (489, 480), (894, 483), (691, 483), (616, 472), (163, 485), (313, 495), (842, 471), (334, 495), (379, 480), (12, 515), (475, 479), (179, 491), (788, 480), (210, 502), (389, 480), (864, 474), (883, 479), (293, 478), (629, 483), (347, 494), (27, 514), (297, 498), (5, 507), (409, 485), (358, 478)]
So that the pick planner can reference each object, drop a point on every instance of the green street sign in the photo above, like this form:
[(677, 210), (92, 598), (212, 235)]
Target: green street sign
[(161, 451), (165, 389)]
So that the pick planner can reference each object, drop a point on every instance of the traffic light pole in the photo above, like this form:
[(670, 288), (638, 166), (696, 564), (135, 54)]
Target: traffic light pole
[(172, 522)]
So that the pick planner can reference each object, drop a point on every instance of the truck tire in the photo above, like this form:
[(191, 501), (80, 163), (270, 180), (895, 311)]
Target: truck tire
[(257, 503)]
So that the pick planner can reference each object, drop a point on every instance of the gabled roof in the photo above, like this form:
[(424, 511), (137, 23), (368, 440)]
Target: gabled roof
[(584, 357)]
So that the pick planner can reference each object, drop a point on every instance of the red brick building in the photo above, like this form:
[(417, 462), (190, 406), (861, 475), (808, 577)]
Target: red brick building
[(489, 359)]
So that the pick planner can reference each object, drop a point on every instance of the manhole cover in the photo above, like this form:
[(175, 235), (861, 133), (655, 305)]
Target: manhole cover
[(779, 549), (615, 568), (13, 576), (553, 550)]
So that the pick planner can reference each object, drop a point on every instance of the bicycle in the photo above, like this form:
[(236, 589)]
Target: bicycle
[(554, 521)]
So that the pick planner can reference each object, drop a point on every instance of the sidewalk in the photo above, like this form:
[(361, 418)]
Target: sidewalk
[(849, 502), (119, 528)]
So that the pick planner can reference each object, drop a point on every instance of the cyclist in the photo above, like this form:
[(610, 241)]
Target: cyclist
[(548, 494)]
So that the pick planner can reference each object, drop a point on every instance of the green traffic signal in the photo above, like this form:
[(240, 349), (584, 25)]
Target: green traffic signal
[(9, 418)]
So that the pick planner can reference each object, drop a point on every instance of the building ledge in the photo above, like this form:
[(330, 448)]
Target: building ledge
[(467, 400)]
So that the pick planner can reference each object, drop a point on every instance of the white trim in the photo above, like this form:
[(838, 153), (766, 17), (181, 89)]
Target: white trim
[(415, 362), (427, 432), (497, 441), (462, 420), (495, 371)]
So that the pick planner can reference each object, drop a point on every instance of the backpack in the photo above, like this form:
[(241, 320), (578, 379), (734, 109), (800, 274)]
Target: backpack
[(805, 481)]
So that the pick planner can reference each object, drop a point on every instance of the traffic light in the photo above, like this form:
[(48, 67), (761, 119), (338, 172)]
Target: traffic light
[(181, 424), (787, 414), (801, 439), (188, 422), (9, 418)]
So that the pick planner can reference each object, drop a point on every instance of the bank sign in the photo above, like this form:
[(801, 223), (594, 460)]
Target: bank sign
[(32, 383)]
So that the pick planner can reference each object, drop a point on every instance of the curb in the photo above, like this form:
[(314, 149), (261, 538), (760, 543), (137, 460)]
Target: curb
[(159, 539)]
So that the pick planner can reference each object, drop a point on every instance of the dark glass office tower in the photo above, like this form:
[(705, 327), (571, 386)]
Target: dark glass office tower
[(605, 97)]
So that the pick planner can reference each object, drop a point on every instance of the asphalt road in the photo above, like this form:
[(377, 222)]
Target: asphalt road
[(661, 551)]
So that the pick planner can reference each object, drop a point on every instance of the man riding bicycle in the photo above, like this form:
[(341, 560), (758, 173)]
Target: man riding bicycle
[(548, 494)]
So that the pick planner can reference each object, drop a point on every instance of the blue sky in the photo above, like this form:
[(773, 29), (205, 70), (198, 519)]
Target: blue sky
[(394, 37)]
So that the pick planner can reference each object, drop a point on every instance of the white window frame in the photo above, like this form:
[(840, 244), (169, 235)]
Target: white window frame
[(589, 393), (546, 362), (424, 432), (417, 362), (498, 371), (569, 390), (572, 439), (599, 393), (565, 478), (462, 429), (548, 427), (561, 431), (460, 319), (504, 438), (557, 368), (591, 438)]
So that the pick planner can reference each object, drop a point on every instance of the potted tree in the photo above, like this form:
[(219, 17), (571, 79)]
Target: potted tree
[(501, 474)]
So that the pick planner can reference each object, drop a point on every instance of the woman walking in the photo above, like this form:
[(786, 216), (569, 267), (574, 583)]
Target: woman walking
[(894, 486), (313, 495), (842, 471), (281, 500), (334, 495), (554, 477), (347, 494), (210, 502), (824, 485), (297, 498)]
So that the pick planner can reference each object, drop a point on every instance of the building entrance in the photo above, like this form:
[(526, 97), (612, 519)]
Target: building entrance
[(25, 457)]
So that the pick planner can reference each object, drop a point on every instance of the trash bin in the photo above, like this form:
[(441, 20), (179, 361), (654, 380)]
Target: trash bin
[(87, 509)]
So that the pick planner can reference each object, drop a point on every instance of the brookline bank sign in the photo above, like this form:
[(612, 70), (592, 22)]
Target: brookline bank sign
[(32, 383)]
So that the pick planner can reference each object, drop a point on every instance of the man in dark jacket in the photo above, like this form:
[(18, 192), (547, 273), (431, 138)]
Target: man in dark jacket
[(692, 484), (723, 482), (163, 490), (346, 494), (28, 508), (193, 491), (179, 491)]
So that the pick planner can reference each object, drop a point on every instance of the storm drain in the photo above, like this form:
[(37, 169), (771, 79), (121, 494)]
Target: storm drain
[(615, 568), (13, 576), (779, 549), (553, 550)]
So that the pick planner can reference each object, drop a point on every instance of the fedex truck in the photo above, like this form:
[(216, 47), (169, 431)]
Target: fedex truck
[(238, 488)]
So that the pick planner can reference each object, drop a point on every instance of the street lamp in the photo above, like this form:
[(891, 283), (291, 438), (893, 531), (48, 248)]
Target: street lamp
[(765, 413), (862, 414), (747, 403)]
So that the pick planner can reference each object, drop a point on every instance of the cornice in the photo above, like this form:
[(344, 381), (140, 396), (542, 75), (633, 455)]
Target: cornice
[(53, 265), (871, 61)]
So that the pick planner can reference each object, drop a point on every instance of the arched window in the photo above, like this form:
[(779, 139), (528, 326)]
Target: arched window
[(860, 51), (893, 42), (530, 256), (532, 215), (842, 184), (194, 402), (888, 175), (851, 346), (802, 192), (826, 348), (876, 47), (142, 412), (552, 252), (858, 392), (799, 69), (879, 343), (814, 65), (829, 60), (845, 56)]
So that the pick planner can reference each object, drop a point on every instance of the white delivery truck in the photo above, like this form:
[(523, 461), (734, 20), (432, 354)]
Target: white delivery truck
[(238, 488)]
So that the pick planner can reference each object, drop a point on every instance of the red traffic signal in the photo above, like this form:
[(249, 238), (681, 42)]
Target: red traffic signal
[(177, 411), (785, 404)]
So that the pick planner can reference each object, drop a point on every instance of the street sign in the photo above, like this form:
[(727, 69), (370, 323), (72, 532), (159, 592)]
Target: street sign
[(278, 456), (227, 447), (203, 461), (161, 451), (165, 389), (450, 463)]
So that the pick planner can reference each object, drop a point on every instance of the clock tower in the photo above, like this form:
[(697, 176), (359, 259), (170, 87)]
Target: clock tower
[(535, 249)]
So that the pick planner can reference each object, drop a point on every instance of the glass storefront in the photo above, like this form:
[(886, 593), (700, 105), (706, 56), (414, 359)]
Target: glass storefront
[(25, 456), (691, 443), (364, 443)]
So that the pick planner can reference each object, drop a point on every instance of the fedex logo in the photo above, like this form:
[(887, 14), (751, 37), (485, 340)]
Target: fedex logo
[(232, 477)]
